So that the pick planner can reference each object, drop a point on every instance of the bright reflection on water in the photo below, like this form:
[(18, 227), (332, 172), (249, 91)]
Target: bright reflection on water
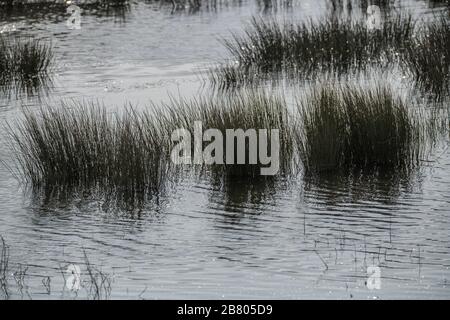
[(202, 238)]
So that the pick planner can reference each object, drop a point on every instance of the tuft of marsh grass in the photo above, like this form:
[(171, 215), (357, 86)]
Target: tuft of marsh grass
[(84, 146), (343, 127), (428, 58), (24, 64), (335, 45), (240, 110)]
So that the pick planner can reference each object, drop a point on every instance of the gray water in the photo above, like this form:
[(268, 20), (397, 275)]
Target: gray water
[(289, 239)]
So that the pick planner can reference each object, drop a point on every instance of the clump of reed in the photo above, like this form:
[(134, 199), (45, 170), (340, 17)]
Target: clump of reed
[(80, 145), (240, 110), (428, 58), (332, 45), (343, 127), (24, 63)]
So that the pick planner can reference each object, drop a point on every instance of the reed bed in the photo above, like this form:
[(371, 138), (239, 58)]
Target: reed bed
[(84, 146), (344, 127), (332, 45), (428, 58), (127, 155)]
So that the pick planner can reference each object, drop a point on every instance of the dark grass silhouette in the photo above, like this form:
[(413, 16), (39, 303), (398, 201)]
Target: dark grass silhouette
[(344, 127), (428, 58), (332, 45), (24, 63)]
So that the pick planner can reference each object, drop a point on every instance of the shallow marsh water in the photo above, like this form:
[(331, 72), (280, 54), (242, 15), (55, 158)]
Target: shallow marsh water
[(290, 239)]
